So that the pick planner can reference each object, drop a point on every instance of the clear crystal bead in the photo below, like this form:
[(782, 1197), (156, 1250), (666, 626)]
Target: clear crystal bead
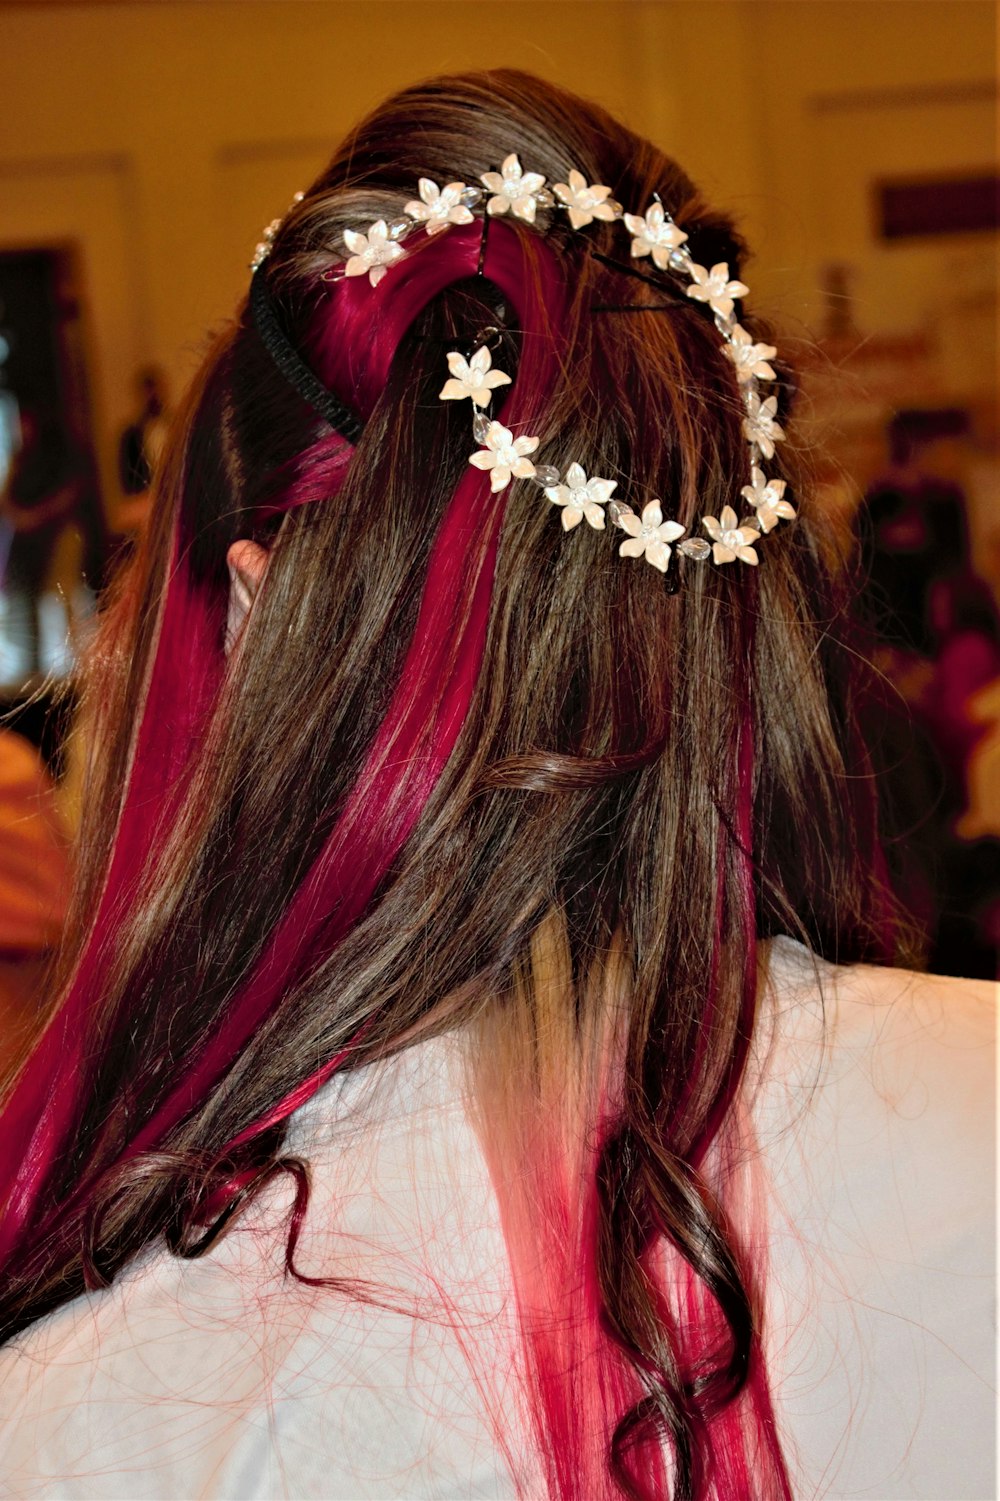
[(399, 227), (614, 206), (726, 324), (490, 337), (480, 426), (544, 198), (695, 547), (617, 509), (470, 196), (546, 474), (680, 259)]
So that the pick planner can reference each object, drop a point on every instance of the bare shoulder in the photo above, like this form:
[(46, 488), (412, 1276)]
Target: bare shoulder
[(867, 1010), (876, 1117), (889, 1076), (951, 1004), (928, 1043)]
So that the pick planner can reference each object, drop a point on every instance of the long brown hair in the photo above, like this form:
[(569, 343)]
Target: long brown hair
[(642, 784)]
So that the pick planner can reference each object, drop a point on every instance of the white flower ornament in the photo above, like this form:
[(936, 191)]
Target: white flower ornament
[(584, 202), (767, 498), (581, 497), (265, 244), (750, 359), (514, 191), (655, 235), (760, 425), (472, 378), (504, 456), (715, 288), (730, 541), (263, 247), (373, 253), (437, 207), (650, 535)]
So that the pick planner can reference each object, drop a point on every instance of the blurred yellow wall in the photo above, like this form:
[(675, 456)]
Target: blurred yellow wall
[(161, 137)]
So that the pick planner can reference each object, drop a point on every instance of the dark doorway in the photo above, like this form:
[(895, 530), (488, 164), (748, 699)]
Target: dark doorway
[(52, 529)]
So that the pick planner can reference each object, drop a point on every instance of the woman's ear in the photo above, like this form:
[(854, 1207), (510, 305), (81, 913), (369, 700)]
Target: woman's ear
[(247, 564)]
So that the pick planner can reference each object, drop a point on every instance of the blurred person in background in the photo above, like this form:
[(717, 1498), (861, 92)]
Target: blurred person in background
[(960, 709), (143, 439), (979, 823), (478, 1065), (966, 656), (139, 450), (915, 533), (938, 644)]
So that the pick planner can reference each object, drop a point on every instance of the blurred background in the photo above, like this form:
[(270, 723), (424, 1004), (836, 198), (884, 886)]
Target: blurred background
[(144, 146)]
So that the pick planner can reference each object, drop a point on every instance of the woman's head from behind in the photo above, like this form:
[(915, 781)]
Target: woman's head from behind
[(588, 653), (461, 764)]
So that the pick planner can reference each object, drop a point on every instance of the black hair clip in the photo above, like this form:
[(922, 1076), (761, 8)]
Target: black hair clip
[(482, 246), (661, 283), (294, 368)]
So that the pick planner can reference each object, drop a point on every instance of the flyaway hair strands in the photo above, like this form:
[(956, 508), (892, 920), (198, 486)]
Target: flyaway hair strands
[(464, 770)]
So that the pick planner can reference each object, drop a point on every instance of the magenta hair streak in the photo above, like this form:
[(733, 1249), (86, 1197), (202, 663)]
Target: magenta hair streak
[(356, 338)]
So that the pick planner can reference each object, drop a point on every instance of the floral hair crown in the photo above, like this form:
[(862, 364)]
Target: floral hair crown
[(375, 251)]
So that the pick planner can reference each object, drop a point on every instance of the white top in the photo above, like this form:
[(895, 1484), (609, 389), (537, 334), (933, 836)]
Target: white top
[(221, 1379)]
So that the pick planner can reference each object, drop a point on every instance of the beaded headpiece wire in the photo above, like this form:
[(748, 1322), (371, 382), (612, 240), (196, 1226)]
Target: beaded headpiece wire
[(506, 456)]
